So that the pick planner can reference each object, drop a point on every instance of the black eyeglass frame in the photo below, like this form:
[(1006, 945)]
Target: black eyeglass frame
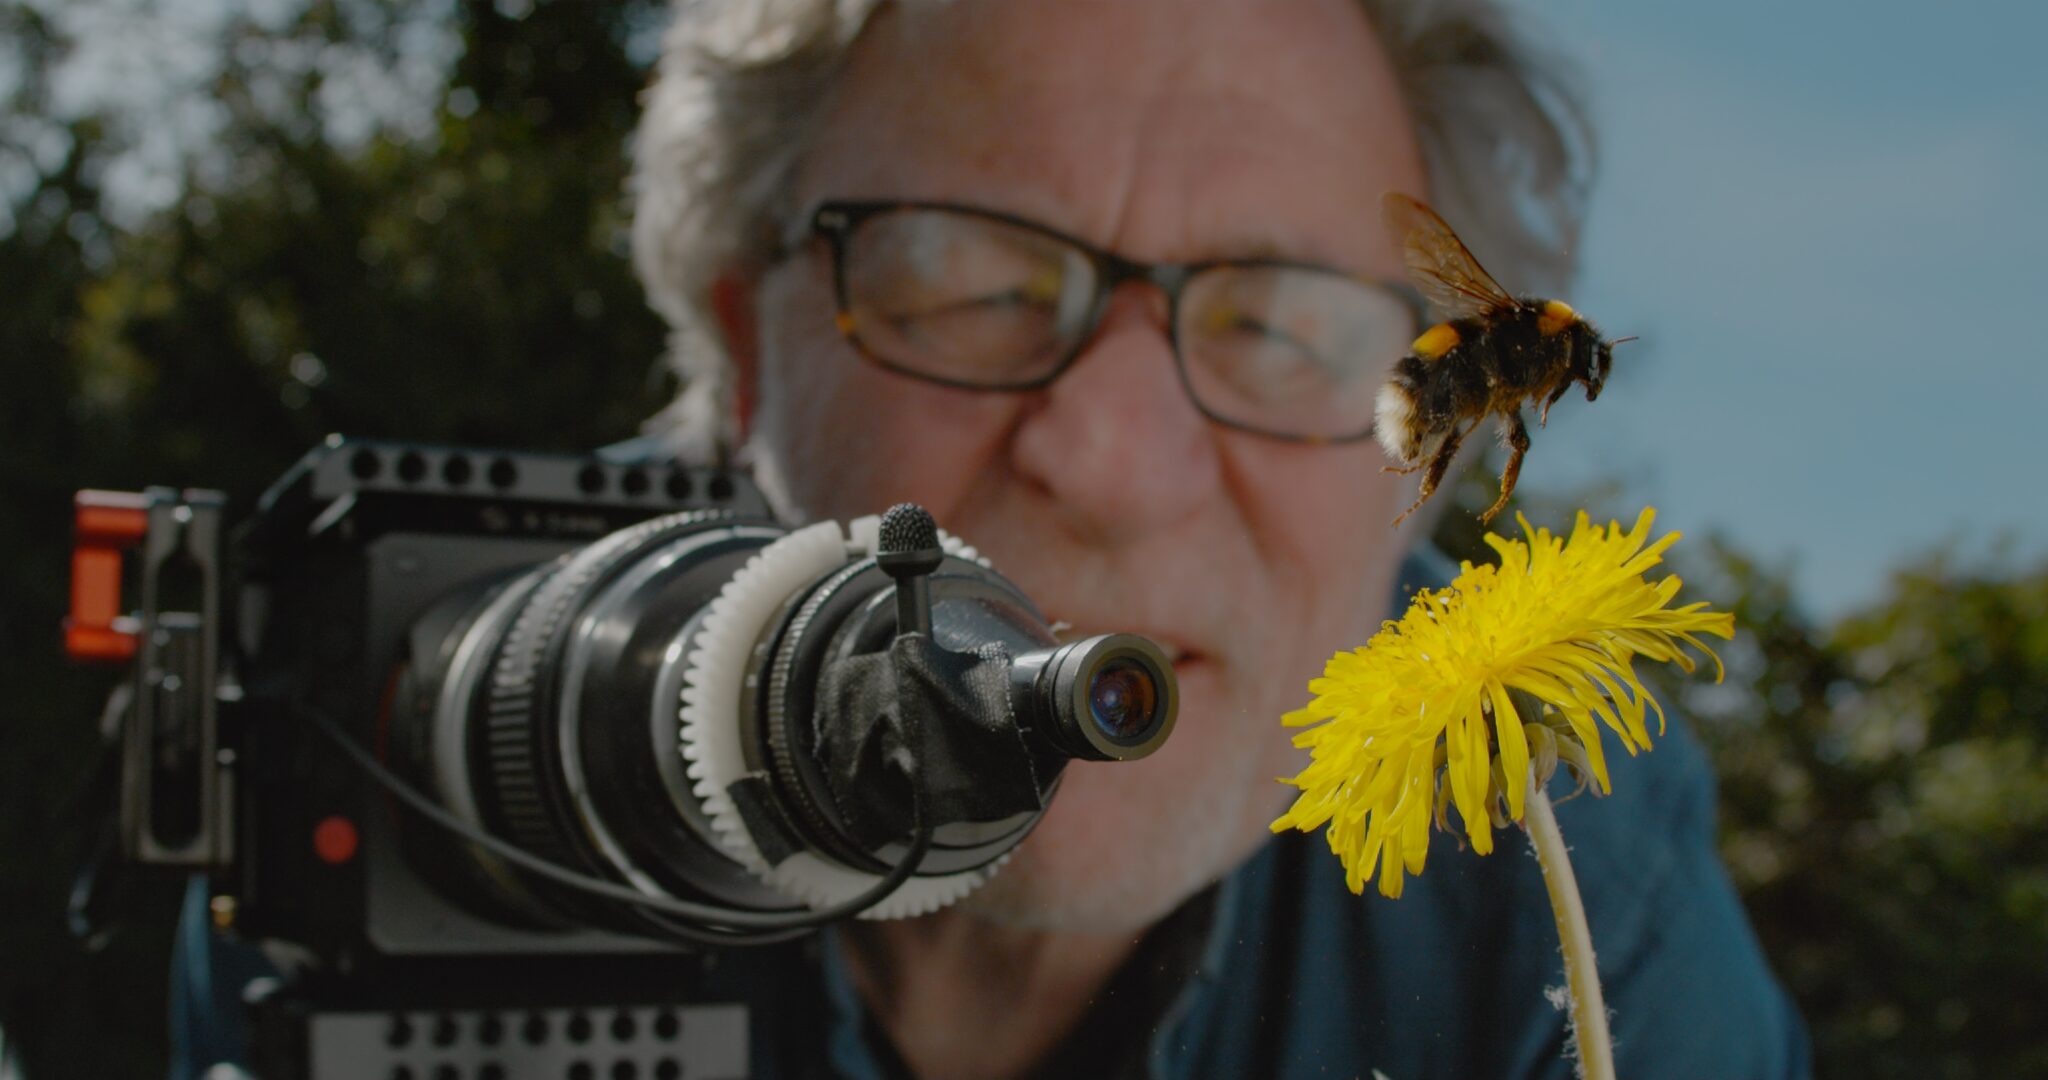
[(835, 221)]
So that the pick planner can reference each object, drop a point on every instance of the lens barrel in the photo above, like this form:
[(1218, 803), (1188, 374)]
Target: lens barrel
[(1106, 698), (545, 712)]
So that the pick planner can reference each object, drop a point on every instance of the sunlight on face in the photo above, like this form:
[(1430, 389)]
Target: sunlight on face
[(1253, 128)]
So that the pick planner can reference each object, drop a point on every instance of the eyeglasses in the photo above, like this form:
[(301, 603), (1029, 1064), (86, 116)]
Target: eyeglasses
[(982, 300)]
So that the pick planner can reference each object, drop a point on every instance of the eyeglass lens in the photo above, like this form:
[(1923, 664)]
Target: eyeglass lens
[(971, 300)]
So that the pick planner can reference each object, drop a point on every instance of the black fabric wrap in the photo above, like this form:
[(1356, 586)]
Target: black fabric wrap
[(951, 710), (754, 798)]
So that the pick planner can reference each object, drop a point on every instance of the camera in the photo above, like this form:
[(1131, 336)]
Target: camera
[(503, 756)]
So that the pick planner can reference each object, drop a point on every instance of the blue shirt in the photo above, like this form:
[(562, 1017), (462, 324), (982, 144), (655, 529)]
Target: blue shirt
[(1284, 973), (1278, 971)]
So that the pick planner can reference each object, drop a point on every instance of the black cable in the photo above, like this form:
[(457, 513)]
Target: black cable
[(707, 915), (679, 932)]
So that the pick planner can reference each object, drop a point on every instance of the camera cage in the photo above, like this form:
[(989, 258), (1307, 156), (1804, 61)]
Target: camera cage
[(249, 671)]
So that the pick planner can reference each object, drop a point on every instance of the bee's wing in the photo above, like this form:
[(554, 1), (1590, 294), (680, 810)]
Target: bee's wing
[(1447, 274)]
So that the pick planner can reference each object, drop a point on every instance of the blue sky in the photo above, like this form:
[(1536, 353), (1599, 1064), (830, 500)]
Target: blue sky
[(1824, 219), (1827, 221)]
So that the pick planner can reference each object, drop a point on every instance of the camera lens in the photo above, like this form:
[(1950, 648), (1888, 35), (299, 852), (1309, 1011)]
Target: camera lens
[(1106, 698), (1122, 698)]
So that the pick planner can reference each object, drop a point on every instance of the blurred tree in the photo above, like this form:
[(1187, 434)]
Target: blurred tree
[(449, 269), (1884, 796), (1884, 788), (405, 219)]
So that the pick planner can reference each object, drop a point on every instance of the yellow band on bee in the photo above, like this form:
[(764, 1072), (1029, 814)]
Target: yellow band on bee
[(1556, 316), (1435, 341)]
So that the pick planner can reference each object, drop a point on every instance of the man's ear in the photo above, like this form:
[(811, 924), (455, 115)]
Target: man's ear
[(732, 304)]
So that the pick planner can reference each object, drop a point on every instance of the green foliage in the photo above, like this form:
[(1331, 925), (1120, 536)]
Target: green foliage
[(1884, 797), (463, 283), (1884, 787), (1884, 784)]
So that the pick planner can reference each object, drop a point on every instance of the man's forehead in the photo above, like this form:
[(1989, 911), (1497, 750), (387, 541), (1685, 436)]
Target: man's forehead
[(972, 60), (1163, 147)]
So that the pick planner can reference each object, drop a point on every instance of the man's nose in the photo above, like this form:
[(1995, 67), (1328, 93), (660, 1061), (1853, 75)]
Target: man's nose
[(1116, 439)]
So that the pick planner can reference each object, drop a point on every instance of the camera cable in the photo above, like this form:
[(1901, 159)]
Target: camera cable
[(746, 927)]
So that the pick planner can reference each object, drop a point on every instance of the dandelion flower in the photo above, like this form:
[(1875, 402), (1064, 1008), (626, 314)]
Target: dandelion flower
[(1426, 713)]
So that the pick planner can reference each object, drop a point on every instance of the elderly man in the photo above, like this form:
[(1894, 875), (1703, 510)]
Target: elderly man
[(1103, 285)]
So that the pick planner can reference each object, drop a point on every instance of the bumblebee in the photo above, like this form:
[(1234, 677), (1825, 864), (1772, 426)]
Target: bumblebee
[(1493, 354)]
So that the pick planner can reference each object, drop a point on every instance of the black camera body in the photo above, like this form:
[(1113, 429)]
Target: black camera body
[(359, 543), (476, 741)]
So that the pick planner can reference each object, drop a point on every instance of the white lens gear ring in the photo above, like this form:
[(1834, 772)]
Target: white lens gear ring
[(712, 687)]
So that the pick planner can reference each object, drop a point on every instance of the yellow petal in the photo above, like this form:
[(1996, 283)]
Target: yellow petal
[(1514, 749), (1561, 617)]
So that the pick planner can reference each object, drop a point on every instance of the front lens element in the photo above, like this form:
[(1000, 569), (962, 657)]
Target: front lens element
[(1123, 699)]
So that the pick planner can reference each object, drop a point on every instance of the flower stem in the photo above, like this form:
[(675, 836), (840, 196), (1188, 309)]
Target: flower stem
[(1589, 1011)]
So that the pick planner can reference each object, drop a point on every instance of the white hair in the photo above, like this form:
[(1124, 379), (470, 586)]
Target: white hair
[(1503, 134)]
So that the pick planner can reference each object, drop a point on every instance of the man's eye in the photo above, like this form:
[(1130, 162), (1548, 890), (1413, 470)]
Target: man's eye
[(1239, 329), (987, 330), (1005, 302)]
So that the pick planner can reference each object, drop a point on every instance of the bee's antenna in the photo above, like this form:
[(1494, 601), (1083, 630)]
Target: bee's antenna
[(1631, 337)]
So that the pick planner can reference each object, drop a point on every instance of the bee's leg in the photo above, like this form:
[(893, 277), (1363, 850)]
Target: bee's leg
[(1437, 467), (1543, 419), (1518, 444), (1407, 467)]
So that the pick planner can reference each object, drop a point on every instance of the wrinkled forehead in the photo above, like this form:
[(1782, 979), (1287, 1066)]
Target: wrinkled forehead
[(1167, 129)]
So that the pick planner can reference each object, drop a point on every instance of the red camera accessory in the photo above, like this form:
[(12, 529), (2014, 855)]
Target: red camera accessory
[(176, 794), (108, 523)]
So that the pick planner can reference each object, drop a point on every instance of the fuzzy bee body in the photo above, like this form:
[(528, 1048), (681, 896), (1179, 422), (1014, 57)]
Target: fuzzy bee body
[(1494, 355), (1481, 366)]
